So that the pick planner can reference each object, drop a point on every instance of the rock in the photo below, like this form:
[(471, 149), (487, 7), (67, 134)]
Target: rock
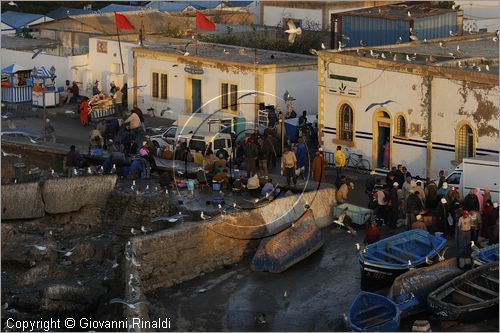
[(71, 298), (42, 273)]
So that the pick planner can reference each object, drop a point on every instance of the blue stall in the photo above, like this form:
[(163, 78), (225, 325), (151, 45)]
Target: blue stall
[(16, 84)]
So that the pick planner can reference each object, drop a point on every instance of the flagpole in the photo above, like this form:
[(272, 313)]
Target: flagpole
[(119, 45)]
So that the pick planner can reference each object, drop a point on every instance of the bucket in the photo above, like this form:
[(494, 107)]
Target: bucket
[(190, 184), (215, 186)]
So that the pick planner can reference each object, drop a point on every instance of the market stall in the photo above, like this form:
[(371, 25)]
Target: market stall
[(44, 84), (16, 84), (101, 106)]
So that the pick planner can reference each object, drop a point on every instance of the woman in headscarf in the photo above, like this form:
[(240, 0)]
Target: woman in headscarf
[(486, 195), (84, 111), (480, 199)]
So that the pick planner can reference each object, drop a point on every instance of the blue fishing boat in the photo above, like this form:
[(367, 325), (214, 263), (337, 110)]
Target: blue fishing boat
[(373, 313), (485, 255), (470, 297), (290, 246), (410, 290), (383, 261)]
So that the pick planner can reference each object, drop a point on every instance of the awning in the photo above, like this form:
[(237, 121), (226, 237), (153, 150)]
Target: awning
[(12, 69), (43, 73)]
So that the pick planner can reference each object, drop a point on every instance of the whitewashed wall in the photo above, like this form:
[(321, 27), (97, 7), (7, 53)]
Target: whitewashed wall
[(409, 93), (273, 16)]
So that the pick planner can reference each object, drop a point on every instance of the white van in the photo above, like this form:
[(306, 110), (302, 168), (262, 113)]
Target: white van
[(476, 172), (213, 141)]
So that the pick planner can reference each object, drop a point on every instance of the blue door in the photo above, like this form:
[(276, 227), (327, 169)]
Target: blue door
[(196, 96)]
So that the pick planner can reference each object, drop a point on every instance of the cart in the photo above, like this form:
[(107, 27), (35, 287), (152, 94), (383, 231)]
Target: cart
[(101, 106)]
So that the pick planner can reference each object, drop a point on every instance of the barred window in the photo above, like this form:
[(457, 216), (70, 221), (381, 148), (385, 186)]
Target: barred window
[(224, 96), (229, 96), (401, 126), (234, 97), (346, 123), (465, 143), (164, 86), (155, 85)]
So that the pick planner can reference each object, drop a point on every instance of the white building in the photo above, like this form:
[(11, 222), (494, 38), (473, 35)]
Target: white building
[(210, 78), (480, 15), (312, 15), (430, 108)]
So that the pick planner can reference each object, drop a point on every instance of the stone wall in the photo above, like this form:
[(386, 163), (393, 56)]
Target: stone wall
[(55, 196), (178, 254), (22, 201)]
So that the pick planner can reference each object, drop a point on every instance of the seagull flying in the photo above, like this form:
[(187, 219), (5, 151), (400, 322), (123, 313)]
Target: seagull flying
[(383, 104), (131, 304), (292, 31)]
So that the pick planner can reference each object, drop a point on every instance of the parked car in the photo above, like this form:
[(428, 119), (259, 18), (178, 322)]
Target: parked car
[(25, 135)]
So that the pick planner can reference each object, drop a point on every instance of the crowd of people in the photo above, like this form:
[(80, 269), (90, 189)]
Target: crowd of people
[(432, 205)]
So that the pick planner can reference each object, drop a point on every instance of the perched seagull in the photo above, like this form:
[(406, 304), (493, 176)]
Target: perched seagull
[(167, 110), (144, 229), (203, 216), (52, 172), (425, 40), (473, 246), (460, 64), (459, 50), (452, 34), (313, 52), (186, 54), (131, 304), (226, 52), (261, 319), (147, 188), (399, 40), (428, 261), (40, 247), (75, 172), (323, 47), (67, 253), (373, 54), (395, 58), (495, 39), (382, 55), (113, 169), (340, 46), (292, 31), (89, 171), (413, 38), (478, 68), (358, 247), (166, 192), (409, 14), (133, 231), (487, 68), (285, 294), (408, 58), (410, 265), (383, 104), (453, 55), (442, 45), (441, 256)]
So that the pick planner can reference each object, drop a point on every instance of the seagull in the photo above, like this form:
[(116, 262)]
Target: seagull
[(478, 68), (408, 58), (399, 40), (167, 110), (395, 58), (133, 231), (340, 46), (373, 54), (67, 253), (147, 188), (442, 45), (226, 52), (441, 256), (459, 50), (453, 55), (409, 14), (323, 47), (203, 216), (89, 171), (113, 169), (410, 265), (459, 64), (487, 68), (52, 172), (285, 295), (428, 261), (358, 247), (495, 39), (292, 31), (144, 229), (382, 55), (452, 34), (425, 40), (313, 52), (4, 154), (382, 105), (473, 246), (413, 38), (12, 3), (75, 172), (131, 304), (166, 192), (40, 247)]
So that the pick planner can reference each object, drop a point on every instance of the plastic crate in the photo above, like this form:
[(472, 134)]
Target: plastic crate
[(358, 215)]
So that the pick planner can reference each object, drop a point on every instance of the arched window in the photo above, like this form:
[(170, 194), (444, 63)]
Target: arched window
[(465, 142), (346, 123), (401, 126)]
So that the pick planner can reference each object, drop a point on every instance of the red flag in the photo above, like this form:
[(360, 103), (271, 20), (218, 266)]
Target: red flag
[(123, 23), (203, 23)]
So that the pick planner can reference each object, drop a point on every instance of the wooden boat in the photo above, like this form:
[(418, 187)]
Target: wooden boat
[(373, 313), (383, 261), (410, 290), (485, 255), (472, 296), (289, 246)]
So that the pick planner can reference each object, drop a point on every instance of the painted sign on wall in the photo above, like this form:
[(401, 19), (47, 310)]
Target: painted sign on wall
[(343, 85)]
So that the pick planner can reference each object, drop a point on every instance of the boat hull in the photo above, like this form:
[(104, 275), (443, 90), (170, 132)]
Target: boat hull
[(290, 246), (410, 289), (470, 297), (485, 255)]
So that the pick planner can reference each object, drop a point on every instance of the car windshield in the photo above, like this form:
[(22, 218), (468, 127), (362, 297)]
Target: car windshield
[(197, 145), (454, 178)]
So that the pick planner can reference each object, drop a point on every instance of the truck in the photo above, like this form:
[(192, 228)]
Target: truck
[(476, 172), (200, 123)]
